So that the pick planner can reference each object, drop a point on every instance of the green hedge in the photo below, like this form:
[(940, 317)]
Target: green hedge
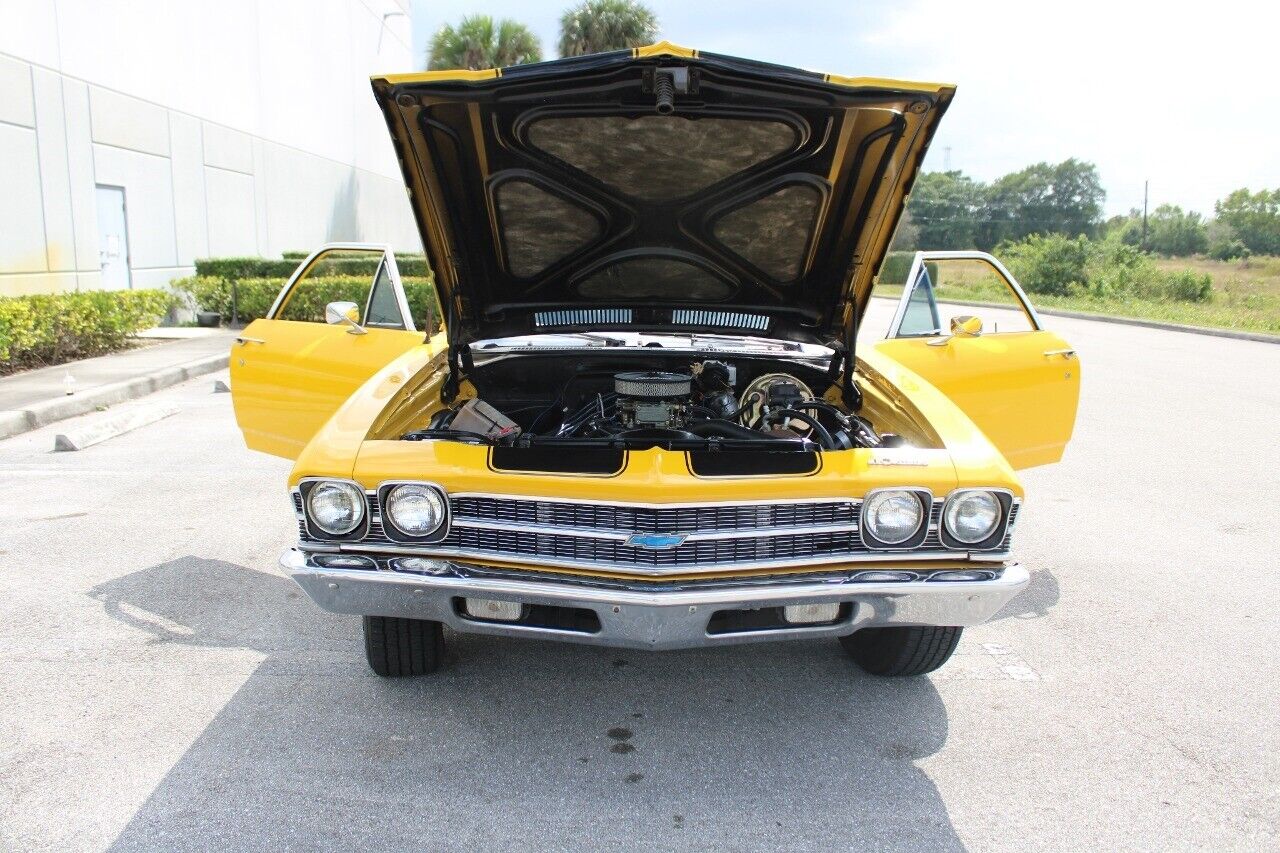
[(235, 268), (36, 331), (256, 296), (242, 268)]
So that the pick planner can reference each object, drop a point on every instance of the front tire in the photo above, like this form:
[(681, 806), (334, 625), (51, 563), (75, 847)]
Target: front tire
[(398, 647), (897, 652)]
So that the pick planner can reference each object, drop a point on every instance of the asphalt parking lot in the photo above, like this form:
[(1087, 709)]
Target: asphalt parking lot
[(164, 687)]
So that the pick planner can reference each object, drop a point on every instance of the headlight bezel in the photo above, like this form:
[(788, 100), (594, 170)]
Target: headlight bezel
[(924, 499), (307, 486), (995, 539), (393, 532)]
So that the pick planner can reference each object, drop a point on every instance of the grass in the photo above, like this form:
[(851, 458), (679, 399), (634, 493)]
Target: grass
[(1246, 297)]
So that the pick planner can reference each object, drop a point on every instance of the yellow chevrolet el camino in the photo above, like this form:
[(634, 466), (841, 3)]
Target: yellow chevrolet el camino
[(647, 422)]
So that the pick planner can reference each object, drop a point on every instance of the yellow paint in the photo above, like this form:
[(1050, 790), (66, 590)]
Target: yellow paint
[(663, 48), (891, 83), (650, 476), (1023, 400), (291, 384), (436, 76)]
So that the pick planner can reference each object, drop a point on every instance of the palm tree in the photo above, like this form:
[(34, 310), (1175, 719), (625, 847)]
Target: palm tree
[(596, 26), (478, 43)]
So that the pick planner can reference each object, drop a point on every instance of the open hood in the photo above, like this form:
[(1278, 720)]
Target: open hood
[(657, 189)]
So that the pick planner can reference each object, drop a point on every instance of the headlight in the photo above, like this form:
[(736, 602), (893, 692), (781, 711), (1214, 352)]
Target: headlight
[(972, 516), (336, 508), (892, 516), (414, 509)]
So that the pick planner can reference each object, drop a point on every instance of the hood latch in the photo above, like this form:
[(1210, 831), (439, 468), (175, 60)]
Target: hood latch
[(666, 83)]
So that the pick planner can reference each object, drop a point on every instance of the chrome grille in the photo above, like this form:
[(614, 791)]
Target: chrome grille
[(645, 519), (712, 552), (932, 539)]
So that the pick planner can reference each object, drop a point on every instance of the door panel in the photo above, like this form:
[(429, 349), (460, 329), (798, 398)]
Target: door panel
[(288, 376), (113, 239), (1019, 383)]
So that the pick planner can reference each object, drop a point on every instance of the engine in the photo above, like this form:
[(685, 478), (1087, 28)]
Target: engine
[(699, 405)]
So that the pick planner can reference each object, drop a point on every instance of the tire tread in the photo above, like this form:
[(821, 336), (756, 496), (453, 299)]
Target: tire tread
[(397, 647), (901, 652)]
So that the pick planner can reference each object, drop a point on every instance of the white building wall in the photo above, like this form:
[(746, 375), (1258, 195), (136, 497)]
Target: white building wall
[(240, 127)]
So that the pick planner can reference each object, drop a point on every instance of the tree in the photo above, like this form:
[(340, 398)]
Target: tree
[(478, 43), (1053, 263), (945, 209), (1045, 198), (1124, 228), (596, 26), (1172, 232), (907, 237), (1254, 218)]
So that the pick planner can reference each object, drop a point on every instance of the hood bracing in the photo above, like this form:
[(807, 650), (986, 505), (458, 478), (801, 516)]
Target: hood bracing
[(657, 189)]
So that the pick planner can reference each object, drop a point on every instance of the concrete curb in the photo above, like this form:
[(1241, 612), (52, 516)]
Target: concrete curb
[(1260, 337), (17, 421), (107, 427)]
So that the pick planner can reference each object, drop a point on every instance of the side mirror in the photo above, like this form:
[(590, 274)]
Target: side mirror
[(964, 326), (339, 313)]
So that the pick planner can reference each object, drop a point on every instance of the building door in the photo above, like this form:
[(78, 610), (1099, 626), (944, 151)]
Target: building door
[(113, 239)]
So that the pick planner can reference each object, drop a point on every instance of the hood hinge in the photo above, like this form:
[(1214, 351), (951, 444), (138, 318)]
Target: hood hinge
[(459, 357)]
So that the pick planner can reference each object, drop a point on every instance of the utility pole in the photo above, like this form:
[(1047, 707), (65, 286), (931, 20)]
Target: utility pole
[(1145, 186), (946, 158)]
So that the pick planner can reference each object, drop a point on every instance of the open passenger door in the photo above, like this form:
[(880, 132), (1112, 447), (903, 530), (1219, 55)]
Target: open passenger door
[(341, 317), (966, 327)]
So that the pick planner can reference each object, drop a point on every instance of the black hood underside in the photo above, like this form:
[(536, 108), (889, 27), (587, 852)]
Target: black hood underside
[(658, 192)]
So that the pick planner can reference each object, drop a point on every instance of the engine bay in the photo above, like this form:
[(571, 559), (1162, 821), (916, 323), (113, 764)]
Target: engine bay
[(637, 401)]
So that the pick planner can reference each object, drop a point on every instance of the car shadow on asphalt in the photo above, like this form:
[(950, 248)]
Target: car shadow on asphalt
[(1034, 602), (519, 744)]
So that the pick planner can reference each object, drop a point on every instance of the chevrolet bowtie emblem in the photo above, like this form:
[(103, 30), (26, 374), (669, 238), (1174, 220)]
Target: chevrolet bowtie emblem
[(655, 541)]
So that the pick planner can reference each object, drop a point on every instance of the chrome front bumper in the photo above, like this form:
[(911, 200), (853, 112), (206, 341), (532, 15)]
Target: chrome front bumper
[(672, 618)]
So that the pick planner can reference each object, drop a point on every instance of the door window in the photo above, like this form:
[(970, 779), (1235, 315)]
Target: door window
[(384, 309), (920, 317), (365, 276), (944, 288)]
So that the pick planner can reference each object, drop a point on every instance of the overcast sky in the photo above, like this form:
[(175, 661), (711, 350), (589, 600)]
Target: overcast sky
[(1185, 95)]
